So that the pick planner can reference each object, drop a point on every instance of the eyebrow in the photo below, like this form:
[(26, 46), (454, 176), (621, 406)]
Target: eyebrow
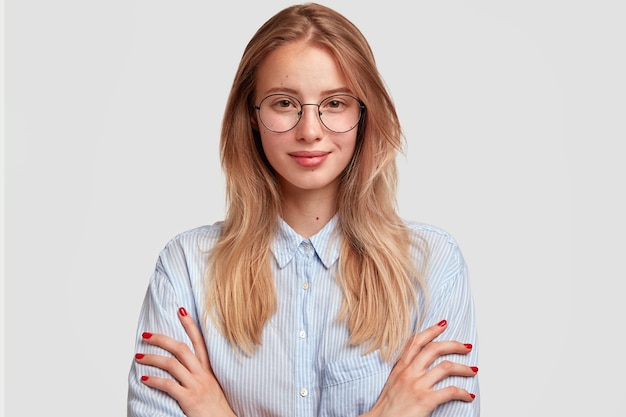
[(325, 93)]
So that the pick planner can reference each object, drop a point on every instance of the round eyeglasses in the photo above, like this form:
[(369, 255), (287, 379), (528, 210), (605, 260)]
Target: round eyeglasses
[(339, 113)]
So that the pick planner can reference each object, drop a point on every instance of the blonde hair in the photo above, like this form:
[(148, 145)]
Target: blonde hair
[(375, 269)]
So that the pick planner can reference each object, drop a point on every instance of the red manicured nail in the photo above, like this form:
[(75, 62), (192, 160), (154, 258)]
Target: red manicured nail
[(472, 395), (139, 355), (468, 345), (182, 311), (146, 335), (145, 378), (474, 368), (442, 323)]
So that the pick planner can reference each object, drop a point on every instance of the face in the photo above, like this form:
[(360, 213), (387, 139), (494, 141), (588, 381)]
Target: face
[(309, 156)]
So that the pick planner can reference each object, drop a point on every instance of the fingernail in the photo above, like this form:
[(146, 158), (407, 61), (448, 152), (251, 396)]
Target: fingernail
[(468, 345), (473, 396), (146, 335), (474, 368), (182, 311), (442, 323), (139, 355), (145, 378)]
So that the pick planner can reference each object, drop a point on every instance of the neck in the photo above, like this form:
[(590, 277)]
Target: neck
[(307, 212)]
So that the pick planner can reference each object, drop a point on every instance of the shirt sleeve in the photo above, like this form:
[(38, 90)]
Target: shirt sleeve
[(159, 314), (451, 299)]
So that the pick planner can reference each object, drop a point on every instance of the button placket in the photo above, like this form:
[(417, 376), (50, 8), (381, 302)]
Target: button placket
[(305, 258)]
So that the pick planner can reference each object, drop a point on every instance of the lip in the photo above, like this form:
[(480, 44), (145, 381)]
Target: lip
[(309, 159)]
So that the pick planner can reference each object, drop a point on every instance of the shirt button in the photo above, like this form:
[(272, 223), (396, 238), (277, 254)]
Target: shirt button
[(302, 334), (304, 392), (305, 286)]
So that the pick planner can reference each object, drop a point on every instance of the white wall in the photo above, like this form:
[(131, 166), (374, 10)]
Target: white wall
[(514, 115)]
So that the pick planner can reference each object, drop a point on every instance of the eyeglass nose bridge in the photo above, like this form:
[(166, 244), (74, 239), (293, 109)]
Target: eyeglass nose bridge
[(319, 112)]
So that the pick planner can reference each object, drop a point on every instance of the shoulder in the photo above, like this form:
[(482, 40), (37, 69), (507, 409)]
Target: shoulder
[(436, 251), (190, 246), (197, 236), (435, 238)]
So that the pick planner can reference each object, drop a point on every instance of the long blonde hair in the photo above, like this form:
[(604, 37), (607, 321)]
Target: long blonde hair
[(375, 269)]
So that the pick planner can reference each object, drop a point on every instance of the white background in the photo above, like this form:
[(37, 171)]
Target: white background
[(514, 113)]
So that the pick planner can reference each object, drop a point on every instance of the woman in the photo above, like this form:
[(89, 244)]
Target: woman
[(313, 297)]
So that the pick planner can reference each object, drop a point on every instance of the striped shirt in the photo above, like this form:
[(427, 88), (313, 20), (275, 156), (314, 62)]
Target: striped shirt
[(305, 365)]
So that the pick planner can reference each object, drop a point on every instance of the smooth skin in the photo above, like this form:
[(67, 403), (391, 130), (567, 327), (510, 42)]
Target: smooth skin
[(310, 74), (408, 392)]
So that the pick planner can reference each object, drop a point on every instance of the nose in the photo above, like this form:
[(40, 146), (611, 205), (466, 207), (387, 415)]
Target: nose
[(310, 126)]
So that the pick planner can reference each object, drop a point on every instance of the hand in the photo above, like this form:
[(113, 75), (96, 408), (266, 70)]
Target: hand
[(195, 387), (409, 389)]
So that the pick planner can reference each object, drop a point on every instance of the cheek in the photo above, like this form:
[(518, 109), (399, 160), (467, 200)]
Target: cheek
[(349, 145), (269, 144)]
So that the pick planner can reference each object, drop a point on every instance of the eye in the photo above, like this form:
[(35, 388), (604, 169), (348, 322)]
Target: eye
[(282, 103), (335, 104)]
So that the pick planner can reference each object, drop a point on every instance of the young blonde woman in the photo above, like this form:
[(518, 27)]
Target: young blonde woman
[(313, 297)]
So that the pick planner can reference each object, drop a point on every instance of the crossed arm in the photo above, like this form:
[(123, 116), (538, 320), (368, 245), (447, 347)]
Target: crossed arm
[(409, 391)]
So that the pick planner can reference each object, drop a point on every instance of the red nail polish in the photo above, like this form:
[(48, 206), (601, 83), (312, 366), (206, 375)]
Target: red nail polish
[(468, 345), (146, 335), (145, 378), (473, 396), (182, 311), (442, 323), (474, 368), (139, 355)]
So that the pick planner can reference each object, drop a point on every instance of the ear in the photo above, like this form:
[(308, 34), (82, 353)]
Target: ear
[(254, 121)]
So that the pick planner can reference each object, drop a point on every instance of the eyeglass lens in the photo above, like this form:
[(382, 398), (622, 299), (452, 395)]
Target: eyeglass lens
[(339, 113)]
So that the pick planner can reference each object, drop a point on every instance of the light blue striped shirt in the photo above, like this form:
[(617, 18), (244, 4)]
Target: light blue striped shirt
[(305, 366)]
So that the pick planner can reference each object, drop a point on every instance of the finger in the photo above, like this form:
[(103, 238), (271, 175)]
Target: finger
[(434, 350), (180, 350), (417, 342), (445, 369), (452, 393), (167, 385), (171, 365), (197, 340)]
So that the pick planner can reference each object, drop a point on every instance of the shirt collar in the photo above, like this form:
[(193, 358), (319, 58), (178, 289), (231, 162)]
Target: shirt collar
[(326, 243)]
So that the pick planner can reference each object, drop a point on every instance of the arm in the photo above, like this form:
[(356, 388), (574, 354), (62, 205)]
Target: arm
[(410, 389), (436, 375), (452, 299), (166, 358), (195, 388)]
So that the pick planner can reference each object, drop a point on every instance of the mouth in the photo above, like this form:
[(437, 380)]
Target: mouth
[(309, 159)]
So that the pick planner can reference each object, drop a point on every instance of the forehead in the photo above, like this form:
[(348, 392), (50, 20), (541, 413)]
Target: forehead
[(300, 68)]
